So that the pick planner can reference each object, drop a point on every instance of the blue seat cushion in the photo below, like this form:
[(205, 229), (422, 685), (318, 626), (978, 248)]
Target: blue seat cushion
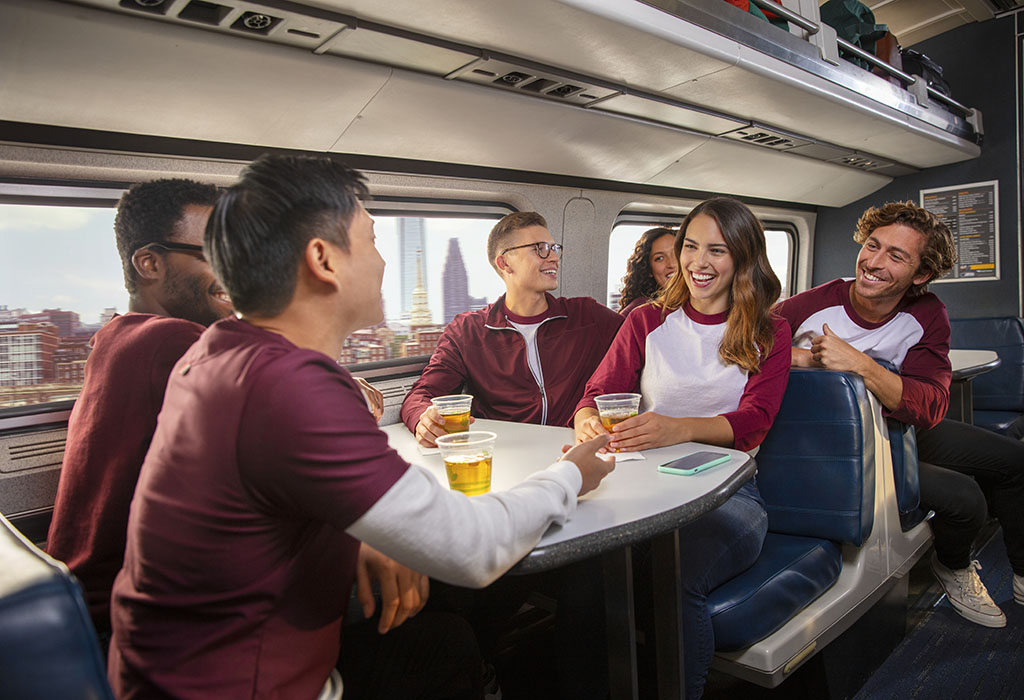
[(789, 574), (996, 421)]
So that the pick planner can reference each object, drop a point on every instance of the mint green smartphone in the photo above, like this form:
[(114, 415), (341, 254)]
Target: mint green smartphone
[(694, 463)]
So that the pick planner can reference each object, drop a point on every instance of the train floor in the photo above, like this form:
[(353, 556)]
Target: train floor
[(941, 655)]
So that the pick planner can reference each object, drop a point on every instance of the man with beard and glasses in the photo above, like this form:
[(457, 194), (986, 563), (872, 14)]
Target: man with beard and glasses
[(173, 296)]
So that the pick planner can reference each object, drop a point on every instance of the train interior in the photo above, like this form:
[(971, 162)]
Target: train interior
[(607, 117)]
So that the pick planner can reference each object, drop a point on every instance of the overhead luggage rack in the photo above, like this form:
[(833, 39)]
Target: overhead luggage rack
[(691, 94)]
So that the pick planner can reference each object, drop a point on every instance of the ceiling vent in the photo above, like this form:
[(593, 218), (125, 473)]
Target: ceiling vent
[(509, 76), (862, 162), (255, 23), (205, 12), (156, 7), (767, 138)]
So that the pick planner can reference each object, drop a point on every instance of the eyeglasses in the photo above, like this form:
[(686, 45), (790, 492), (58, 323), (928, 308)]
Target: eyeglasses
[(543, 248), (196, 250)]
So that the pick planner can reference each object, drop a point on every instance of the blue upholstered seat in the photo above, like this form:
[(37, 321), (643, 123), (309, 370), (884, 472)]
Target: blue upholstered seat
[(816, 472), (999, 394), (790, 572), (48, 647)]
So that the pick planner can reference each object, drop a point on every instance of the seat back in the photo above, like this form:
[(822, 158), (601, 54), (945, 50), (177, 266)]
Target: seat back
[(816, 467), (999, 394), (48, 647), (903, 441)]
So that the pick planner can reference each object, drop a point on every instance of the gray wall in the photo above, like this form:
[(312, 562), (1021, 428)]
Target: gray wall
[(979, 62)]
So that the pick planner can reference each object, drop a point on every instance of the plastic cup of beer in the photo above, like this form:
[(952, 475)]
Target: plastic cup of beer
[(615, 408), (454, 411), (467, 460)]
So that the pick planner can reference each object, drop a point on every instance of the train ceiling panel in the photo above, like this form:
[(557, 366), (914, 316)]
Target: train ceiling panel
[(369, 45), (175, 84), (414, 117), (731, 168), (549, 32), (668, 113)]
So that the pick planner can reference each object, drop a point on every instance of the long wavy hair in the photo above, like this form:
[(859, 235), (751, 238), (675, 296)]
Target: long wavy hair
[(639, 280), (749, 332)]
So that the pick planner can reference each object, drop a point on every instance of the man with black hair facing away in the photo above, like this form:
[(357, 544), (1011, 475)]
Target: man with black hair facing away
[(266, 473)]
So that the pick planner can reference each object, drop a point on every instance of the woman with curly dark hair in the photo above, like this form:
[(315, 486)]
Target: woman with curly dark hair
[(649, 269)]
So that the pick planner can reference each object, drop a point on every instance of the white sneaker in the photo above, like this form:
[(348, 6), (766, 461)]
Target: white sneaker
[(1018, 589), (967, 594)]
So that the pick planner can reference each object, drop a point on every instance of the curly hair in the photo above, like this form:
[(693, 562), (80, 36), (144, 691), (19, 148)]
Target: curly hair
[(150, 211), (639, 281), (749, 332), (939, 254)]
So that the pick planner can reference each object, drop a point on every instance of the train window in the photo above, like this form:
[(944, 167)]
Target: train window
[(779, 239), (60, 279), (436, 268)]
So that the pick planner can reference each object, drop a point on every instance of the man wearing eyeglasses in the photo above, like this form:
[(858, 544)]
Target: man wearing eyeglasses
[(173, 296), (527, 356)]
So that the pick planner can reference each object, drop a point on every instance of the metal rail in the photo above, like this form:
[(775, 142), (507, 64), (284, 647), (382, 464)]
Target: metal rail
[(799, 20), (812, 28), (897, 73)]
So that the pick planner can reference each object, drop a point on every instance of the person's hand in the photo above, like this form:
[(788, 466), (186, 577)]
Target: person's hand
[(832, 352), (403, 592), (431, 426), (587, 424), (801, 357), (646, 431), (592, 468), (374, 399)]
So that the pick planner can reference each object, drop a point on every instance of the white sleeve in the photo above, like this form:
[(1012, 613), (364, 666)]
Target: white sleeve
[(466, 541)]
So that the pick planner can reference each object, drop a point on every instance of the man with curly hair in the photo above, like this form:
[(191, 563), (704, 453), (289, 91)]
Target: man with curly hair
[(172, 297), (886, 313)]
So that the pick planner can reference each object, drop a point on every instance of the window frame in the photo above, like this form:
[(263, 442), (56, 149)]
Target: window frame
[(105, 195)]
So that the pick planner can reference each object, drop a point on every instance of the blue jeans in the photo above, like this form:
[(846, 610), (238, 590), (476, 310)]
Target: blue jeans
[(713, 549)]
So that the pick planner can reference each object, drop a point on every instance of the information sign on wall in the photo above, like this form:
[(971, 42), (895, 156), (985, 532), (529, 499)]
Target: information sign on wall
[(972, 214)]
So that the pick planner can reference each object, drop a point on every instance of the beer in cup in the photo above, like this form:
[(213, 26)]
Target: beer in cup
[(454, 411), (467, 460), (615, 408)]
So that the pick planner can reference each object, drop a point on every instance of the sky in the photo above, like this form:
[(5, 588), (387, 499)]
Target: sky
[(60, 257)]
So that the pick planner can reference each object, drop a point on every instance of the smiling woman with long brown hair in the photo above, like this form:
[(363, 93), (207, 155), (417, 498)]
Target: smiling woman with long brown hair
[(711, 363)]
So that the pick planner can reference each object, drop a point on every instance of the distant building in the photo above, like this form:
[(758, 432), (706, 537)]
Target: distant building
[(613, 300), (27, 352), (419, 312), (363, 346), (455, 285), (66, 321), (412, 243), (421, 342), (7, 314), (108, 313)]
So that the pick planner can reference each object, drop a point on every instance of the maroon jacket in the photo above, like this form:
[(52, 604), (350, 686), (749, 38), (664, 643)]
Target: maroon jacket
[(481, 354)]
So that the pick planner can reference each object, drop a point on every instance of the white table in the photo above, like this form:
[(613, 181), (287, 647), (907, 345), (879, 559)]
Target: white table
[(634, 503), (967, 364)]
